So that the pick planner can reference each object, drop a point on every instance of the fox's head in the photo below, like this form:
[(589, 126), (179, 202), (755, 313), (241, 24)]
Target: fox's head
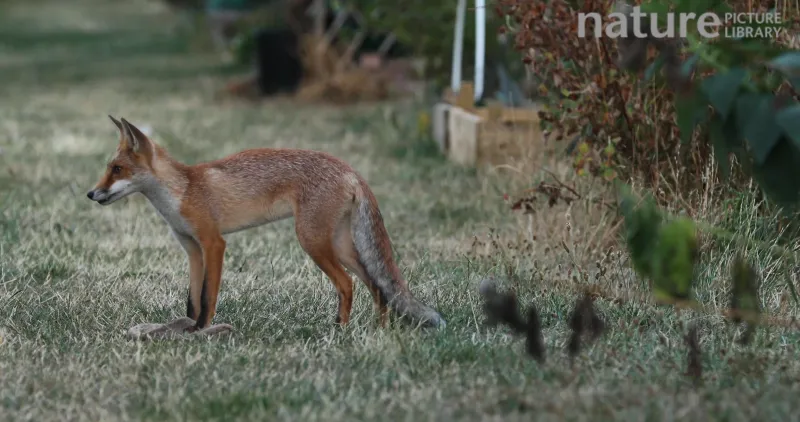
[(130, 170)]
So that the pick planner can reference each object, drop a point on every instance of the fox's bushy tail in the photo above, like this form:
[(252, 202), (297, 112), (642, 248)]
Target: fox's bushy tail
[(375, 255)]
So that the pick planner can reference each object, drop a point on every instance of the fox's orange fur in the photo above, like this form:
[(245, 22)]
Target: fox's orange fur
[(337, 220)]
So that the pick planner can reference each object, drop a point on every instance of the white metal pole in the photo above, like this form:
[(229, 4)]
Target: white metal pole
[(458, 46), (480, 45)]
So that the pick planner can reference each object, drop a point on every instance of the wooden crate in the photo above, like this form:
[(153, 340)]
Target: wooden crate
[(493, 135)]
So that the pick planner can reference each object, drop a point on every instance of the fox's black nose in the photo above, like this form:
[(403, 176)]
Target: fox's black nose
[(90, 195)]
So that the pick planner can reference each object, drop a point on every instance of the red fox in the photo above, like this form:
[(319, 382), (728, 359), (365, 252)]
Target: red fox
[(337, 220)]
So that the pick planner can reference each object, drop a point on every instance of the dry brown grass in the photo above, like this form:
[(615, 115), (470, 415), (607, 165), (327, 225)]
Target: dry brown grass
[(575, 240)]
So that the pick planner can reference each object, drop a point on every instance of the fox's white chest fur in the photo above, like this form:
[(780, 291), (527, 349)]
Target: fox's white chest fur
[(169, 208)]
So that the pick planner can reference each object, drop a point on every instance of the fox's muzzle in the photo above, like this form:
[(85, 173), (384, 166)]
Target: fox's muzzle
[(98, 195), (117, 190)]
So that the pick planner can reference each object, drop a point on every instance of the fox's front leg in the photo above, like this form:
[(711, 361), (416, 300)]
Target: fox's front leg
[(196, 274), (213, 247)]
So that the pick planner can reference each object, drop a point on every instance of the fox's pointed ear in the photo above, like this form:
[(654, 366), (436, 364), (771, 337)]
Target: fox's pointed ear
[(117, 124), (136, 139), (128, 141)]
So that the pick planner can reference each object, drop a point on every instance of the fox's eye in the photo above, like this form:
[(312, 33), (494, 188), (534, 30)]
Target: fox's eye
[(116, 169)]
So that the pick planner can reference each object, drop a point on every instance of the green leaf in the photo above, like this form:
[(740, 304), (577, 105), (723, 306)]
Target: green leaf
[(688, 65), (690, 110), (788, 62), (722, 89), (789, 120), (654, 68), (674, 260), (755, 115), (642, 223), (779, 175)]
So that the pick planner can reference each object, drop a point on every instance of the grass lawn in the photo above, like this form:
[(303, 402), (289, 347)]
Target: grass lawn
[(74, 276)]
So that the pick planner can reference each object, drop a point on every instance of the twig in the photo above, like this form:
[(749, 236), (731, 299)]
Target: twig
[(562, 184)]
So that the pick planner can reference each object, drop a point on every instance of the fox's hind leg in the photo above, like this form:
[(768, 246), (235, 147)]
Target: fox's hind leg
[(346, 253), (317, 242)]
